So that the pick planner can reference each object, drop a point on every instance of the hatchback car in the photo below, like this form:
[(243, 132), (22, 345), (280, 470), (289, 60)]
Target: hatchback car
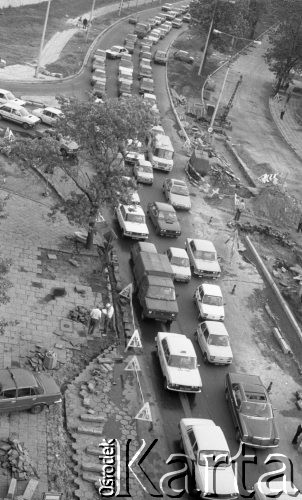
[(143, 172), (22, 389), (209, 302), (180, 263), (183, 55), (178, 362), (176, 192), (18, 114), (251, 410), (116, 52), (48, 115), (132, 221), (214, 342), (176, 23), (7, 96), (146, 85), (208, 457), (160, 57), (164, 220), (203, 258)]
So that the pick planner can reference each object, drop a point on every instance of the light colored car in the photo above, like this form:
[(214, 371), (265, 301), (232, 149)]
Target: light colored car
[(99, 55), (98, 65), (18, 114), (168, 25), (158, 20), (127, 57), (48, 115), (133, 157), (163, 31), (116, 52), (143, 172), (126, 64), (214, 342), (161, 57), (203, 258), (98, 76), (176, 23), (130, 45), (208, 458), (132, 37), (187, 18), (146, 85), (180, 263), (7, 96), (145, 55), (166, 7), (132, 221), (209, 302), (178, 362), (177, 193)]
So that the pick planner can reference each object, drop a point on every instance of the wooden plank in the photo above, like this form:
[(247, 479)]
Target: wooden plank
[(12, 488), (30, 489)]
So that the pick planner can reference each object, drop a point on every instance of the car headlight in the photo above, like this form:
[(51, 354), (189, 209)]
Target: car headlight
[(173, 315), (205, 315), (276, 441), (149, 312), (212, 358)]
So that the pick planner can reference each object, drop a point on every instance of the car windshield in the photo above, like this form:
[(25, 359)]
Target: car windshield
[(164, 153), (140, 219), (200, 254), (10, 96), (219, 340), (258, 410), (212, 458), (145, 168), (212, 300), (161, 292), (167, 216), (23, 111), (180, 261), (186, 362), (177, 189)]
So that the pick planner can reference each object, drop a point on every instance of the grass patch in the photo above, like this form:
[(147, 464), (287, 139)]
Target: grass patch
[(21, 27)]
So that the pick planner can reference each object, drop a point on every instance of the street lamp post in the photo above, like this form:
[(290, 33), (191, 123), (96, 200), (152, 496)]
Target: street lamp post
[(42, 40)]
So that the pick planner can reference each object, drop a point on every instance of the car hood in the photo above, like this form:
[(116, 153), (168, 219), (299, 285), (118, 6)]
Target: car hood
[(213, 311), (185, 377), (220, 351), (206, 265), (165, 224), (136, 227), (144, 175), (220, 481), (178, 199), (181, 271), (161, 305), (258, 427), (50, 386)]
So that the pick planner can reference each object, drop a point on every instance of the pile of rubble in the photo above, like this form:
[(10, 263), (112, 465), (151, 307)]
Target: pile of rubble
[(36, 358), (279, 236), (14, 457), (274, 203), (80, 314)]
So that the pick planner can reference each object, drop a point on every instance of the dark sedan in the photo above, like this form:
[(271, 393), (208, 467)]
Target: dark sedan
[(184, 56), (251, 410), (163, 217)]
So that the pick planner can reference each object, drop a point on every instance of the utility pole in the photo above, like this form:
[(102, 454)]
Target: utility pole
[(42, 40), (208, 40), (90, 19)]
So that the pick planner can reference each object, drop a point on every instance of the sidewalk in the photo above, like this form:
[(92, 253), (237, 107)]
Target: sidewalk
[(288, 126)]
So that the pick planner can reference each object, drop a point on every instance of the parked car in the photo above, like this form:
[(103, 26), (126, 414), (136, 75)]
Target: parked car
[(132, 158), (205, 446), (143, 172), (127, 57), (18, 114), (164, 220), (99, 55), (68, 147), (126, 64), (133, 20), (132, 221), (187, 18), (171, 14), (214, 342), (145, 55), (141, 246), (146, 85), (178, 362), (177, 23), (116, 52), (99, 75), (144, 70), (166, 7), (97, 65), (209, 302), (203, 258), (158, 20), (152, 22), (132, 37), (48, 115), (22, 389), (161, 57), (7, 96), (180, 263), (99, 89), (129, 45), (251, 410), (176, 192), (184, 56), (164, 30)]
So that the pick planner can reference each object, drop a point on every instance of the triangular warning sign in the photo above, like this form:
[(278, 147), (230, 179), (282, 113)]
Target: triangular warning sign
[(135, 340), (144, 413), (126, 292), (133, 365)]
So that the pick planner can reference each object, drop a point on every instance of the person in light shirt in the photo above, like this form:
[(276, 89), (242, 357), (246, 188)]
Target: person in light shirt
[(109, 318), (94, 320)]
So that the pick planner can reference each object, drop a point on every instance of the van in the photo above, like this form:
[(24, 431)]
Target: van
[(142, 29), (161, 153)]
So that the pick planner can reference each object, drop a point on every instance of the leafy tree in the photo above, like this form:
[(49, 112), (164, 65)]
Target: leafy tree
[(285, 51), (102, 131)]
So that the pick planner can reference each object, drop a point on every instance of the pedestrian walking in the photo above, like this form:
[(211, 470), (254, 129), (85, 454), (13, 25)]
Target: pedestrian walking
[(85, 23), (94, 319), (109, 318), (298, 433), (282, 114), (240, 206), (299, 228)]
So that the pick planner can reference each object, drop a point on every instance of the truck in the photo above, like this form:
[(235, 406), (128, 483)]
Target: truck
[(153, 280), (161, 152)]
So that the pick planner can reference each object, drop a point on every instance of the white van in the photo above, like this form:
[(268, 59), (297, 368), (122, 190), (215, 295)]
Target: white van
[(161, 153)]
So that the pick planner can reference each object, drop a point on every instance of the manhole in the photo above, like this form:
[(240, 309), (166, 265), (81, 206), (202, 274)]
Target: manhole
[(66, 325)]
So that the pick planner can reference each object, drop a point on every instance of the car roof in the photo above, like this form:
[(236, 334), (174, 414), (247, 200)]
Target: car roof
[(210, 289), (133, 209), (245, 379), (178, 182), (178, 343), (178, 252), (144, 162), (208, 439), (166, 207), (205, 245), (149, 96), (161, 52), (216, 328), (53, 110), (146, 246), (16, 377)]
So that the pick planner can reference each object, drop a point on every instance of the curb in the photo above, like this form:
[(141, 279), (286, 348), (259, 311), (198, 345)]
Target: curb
[(292, 147), (241, 163), (275, 289)]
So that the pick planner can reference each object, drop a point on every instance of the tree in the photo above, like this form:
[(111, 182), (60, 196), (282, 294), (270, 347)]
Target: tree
[(102, 130), (285, 51)]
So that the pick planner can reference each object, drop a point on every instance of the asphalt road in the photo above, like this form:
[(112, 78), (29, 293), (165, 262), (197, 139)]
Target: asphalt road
[(172, 406)]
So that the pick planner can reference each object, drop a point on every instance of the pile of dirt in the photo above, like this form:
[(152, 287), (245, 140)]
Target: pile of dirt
[(276, 205)]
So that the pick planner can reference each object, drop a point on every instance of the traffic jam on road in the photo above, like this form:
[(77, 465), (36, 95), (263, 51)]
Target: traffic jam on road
[(157, 274)]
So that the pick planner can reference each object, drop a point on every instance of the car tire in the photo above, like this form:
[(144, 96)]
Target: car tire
[(181, 445), (238, 436), (143, 317), (165, 384), (25, 126), (205, 357), (37, 409), (226, 395)]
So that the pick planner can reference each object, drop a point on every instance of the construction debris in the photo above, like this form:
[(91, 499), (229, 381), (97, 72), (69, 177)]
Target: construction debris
[(36, 359), (280, 237), (14, 457), (80, 314)]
